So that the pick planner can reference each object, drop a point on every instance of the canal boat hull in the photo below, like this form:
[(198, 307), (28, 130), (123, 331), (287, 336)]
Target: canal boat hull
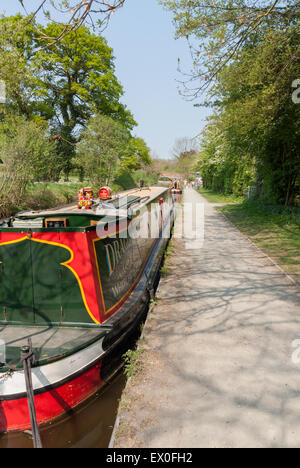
[(81, 312)]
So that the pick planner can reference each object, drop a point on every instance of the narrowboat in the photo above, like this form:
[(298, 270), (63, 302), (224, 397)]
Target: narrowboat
[(173, 181), (176, 188), (76, 280)]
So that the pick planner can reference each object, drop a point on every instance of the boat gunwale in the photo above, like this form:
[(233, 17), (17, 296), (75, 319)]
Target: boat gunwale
[(103, 331)]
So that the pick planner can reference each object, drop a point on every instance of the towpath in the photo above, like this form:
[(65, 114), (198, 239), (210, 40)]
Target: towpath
[(219, 367)]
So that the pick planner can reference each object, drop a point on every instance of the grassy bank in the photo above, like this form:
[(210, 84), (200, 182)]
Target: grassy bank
[(215, 197), (276, 230), (47, 195)]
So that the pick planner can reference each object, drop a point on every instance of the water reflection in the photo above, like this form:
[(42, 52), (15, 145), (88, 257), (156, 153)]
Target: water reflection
[(89, 427)]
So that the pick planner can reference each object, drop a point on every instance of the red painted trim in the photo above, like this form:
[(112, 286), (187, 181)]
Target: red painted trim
[(11, 236), (79, 263), (50, 405)]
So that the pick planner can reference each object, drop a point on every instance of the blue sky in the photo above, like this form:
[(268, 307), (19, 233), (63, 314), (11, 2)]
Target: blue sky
[(142, 36)]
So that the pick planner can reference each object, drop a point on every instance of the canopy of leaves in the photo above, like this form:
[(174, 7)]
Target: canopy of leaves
[(135, 155), (18, 70), (78, 76), (65, 85), (253, 138)]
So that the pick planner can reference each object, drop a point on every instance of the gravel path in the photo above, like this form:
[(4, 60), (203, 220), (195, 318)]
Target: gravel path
[(219, 368)]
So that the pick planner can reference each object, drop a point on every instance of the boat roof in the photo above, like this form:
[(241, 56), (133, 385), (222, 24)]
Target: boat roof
[(122, 200)]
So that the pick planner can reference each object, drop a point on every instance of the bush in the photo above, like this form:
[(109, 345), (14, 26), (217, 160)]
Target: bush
[(27, 154)]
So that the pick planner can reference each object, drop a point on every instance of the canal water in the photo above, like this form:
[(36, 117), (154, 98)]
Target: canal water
[(89, 427)]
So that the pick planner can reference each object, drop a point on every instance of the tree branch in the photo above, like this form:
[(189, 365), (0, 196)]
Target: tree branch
[(77, 13)]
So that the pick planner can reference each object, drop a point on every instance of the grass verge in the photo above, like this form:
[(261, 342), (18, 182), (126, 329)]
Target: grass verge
[(276, 230), (133, 361), (215, 197), (165, 269)]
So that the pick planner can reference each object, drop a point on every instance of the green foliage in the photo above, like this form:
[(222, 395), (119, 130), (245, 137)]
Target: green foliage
[(79, 77), (125, 181), (100, 150), (16, 67), (136, 155), (64, 85), (253, 137), (27, 154), (216, 197), (186, 162), (43, 195), (108, 153), (148, 176), (247, 54), (166, 267), (133, 361)]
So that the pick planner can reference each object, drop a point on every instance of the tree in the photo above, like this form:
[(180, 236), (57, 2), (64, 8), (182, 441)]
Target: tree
[(64, 85), (187, 162), (17, 69), (101, 148), (183, 146), (79, 76), (216, 31), (79, 79), (254, 134), (135, 155)]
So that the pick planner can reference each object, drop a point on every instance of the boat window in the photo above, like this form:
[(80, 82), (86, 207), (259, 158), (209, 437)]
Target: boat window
[(36, 223), (56, 222)]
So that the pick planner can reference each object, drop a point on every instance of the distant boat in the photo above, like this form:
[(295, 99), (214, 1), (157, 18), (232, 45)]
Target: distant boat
[(173, 181), (76, 280), (176, 188)]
